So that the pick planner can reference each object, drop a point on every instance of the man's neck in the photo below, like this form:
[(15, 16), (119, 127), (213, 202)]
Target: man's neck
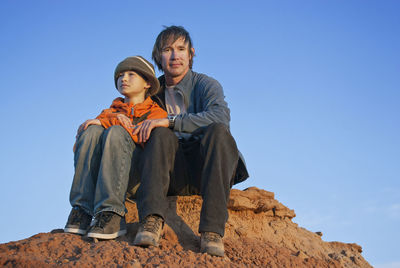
[(171, 81)]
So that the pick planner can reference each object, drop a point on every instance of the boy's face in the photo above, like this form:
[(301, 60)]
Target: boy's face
[(175, 58), (131, 84)]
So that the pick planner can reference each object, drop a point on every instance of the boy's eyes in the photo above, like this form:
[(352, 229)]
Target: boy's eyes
[(128, 73)]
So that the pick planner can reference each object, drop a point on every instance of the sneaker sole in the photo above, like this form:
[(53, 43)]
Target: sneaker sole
[(107, 236), (75, 231)]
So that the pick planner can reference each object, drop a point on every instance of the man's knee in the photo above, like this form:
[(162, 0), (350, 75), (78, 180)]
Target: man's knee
[(218, 129), (218, 136), (162, 141), (219, 133), (162, 134)]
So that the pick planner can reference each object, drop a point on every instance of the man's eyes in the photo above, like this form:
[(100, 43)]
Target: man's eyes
[(168, 49)]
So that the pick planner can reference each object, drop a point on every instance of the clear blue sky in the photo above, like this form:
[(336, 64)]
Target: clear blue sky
[(313, 87)]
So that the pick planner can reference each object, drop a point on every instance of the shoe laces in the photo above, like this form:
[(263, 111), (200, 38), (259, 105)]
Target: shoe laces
[(211, 237), (152, 223), (102, 219), (78, 215)]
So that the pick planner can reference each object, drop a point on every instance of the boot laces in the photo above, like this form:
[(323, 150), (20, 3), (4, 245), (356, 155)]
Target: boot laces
[(152, 224), (211, 237)]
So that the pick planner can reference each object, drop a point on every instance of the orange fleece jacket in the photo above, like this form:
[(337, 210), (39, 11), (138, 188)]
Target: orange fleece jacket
[(137, 113)]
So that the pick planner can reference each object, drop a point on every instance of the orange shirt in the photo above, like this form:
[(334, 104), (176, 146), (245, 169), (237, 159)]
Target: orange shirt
[(137, 113)]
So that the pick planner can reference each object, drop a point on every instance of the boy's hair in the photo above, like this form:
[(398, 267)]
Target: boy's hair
[(170, 35), (143, 67)]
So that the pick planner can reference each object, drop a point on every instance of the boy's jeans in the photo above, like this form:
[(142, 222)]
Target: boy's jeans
[(103, 162)]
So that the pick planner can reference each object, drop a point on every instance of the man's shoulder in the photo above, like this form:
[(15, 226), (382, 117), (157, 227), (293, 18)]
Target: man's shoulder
[(203, 80), (202, 77)]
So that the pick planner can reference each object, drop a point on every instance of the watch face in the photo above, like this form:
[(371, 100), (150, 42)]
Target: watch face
[(171, 120)]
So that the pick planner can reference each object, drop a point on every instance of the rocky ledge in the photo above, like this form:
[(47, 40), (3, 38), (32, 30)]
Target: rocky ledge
[(259, 233)]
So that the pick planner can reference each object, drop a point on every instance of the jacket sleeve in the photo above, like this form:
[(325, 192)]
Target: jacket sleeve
[(210, 105)]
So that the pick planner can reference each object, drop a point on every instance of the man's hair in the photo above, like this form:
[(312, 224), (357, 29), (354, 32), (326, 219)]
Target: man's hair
[(170, 35)]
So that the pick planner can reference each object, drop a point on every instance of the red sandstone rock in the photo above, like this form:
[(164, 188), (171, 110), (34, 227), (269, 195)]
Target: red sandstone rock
[(259, 233)]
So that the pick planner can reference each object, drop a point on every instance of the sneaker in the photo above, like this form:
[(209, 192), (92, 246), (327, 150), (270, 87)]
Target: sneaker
[(78, 221), (107, 225), (149, 231), (212, 244)]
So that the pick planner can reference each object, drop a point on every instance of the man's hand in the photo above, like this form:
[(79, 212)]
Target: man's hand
[(143, 130), (125, 121)]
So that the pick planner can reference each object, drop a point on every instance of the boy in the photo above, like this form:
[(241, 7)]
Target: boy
[(104, 152)]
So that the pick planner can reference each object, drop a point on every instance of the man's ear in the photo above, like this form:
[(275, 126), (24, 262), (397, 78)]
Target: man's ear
[(147, 86), (192, 54)]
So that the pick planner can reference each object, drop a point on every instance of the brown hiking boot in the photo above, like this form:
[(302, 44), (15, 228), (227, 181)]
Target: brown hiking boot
[(149, 231), (211, 243)]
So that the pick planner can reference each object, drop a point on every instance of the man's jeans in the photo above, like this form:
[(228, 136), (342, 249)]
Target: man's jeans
[(205, 165), (103, 161)]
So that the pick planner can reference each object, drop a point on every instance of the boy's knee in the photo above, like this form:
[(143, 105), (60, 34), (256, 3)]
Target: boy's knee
[(115, 132), (115, 129), (92, 131)]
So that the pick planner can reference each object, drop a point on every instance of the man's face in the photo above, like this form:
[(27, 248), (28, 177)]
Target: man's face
[(131, 84), (175, 59)]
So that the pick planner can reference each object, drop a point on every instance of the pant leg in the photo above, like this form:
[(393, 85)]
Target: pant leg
[(220, 156), (155, 168), (114, 170), (86, 161)]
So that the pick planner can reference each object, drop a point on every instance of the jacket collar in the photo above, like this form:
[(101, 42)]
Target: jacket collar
[(186, 83), (185, 86)]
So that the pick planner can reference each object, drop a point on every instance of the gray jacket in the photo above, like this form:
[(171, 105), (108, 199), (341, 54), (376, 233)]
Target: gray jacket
[(205, 104)]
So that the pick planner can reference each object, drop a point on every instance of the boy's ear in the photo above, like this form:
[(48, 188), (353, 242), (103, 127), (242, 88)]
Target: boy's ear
[(147, 86)]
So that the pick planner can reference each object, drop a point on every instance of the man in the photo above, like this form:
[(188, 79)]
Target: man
[(191, 151)]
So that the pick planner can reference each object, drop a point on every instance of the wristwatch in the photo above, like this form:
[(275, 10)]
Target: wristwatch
[(171, 121)]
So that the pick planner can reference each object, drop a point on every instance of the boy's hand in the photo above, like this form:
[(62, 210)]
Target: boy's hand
[(125, 121), (143, 130), (83, 127), (87, 123)]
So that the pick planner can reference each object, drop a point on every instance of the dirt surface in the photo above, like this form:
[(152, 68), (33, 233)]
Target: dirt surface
[(259, 233)]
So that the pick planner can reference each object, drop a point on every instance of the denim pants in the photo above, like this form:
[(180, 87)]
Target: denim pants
[(103, 163), (204, 165)]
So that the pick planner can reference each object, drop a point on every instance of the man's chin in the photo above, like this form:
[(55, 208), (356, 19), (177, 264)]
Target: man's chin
[(175, 73)]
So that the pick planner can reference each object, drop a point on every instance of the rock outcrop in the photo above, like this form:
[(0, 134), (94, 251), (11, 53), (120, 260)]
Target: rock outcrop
[(259, 233)]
